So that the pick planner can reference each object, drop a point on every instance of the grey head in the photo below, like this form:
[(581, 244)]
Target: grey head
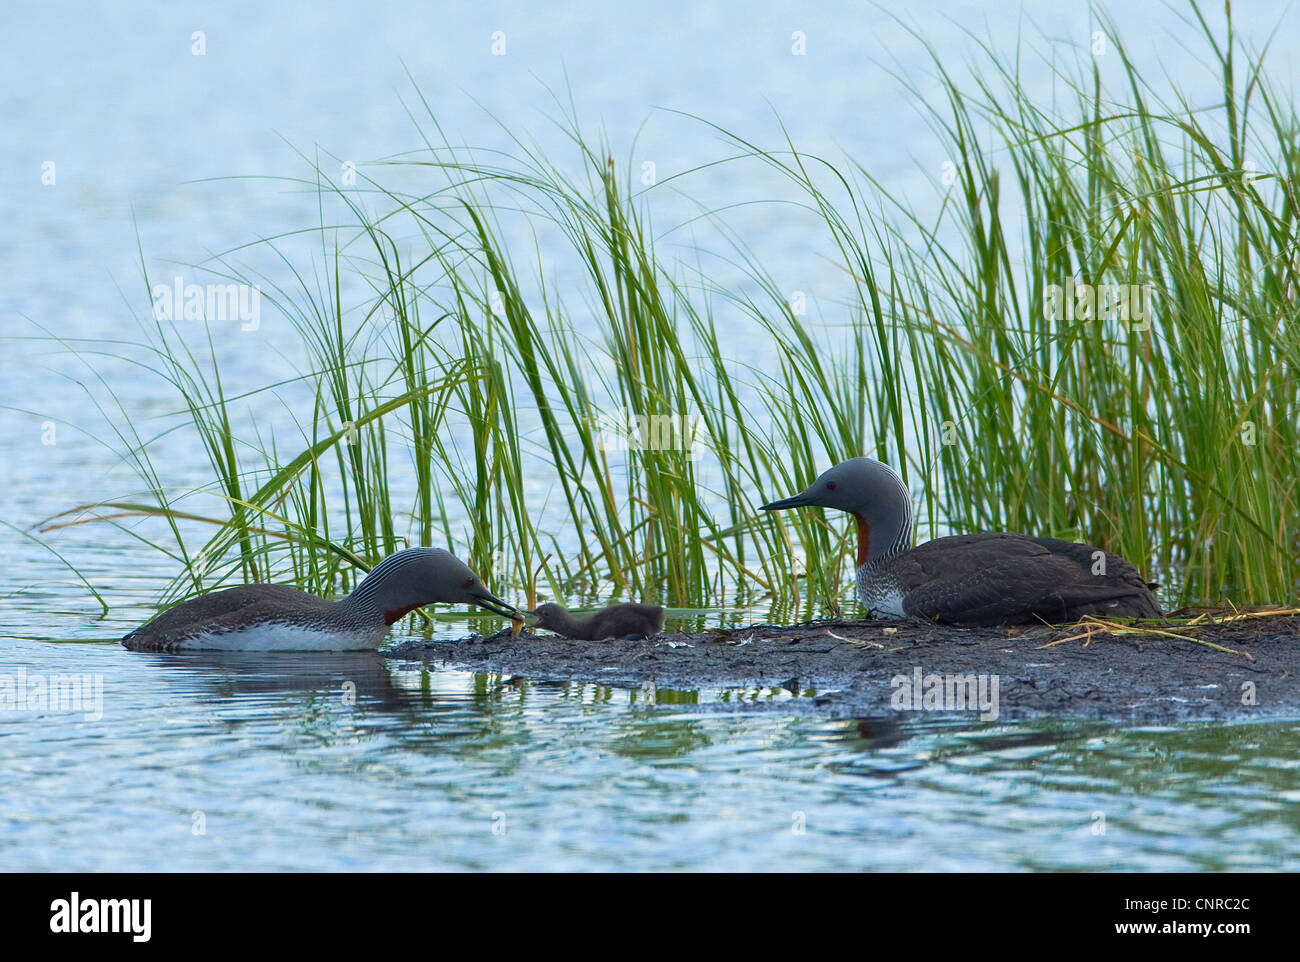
[(421, 576), (873, 493), (552, 616)]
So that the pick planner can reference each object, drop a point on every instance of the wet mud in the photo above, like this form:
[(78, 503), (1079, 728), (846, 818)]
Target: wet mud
[(853, 669)]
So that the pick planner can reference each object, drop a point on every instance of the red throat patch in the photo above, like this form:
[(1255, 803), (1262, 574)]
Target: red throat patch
[(394, 614), (864, 539)]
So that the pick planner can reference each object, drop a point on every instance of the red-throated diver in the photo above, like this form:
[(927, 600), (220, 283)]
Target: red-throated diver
[(280, 618), (616, 621), (976, 579)]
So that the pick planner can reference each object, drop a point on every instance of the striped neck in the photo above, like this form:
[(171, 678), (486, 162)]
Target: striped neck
[(884, 522), (394, 588)]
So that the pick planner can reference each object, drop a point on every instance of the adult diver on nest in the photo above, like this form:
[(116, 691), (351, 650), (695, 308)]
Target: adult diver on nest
[(995, 578)]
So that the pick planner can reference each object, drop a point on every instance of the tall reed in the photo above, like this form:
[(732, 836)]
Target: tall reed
[(469, 382)]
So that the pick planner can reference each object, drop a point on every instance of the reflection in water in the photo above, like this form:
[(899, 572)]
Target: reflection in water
[(352, 761), (235, 673)]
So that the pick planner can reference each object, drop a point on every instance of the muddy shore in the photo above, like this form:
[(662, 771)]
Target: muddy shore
[(852, 669)]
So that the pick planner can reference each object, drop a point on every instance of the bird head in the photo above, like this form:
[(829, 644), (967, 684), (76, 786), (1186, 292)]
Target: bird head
[(851, 485), (547, 614), (869, 490), (459, 584)]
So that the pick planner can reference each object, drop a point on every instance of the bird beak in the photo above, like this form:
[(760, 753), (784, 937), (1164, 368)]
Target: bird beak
[(493, 604), (800, 500)]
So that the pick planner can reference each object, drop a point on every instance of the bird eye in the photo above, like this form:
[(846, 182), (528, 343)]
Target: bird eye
[(468, 584), (830, 485)]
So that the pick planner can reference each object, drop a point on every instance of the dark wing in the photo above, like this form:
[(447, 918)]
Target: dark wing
[(991, 579), (626, 620), (177, 622), (649, 620)]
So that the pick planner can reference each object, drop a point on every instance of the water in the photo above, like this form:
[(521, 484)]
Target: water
[(247, 763), (244, 763)]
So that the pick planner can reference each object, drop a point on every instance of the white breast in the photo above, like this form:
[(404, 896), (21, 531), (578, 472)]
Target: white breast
[(879, 595), (889, 604), (281, 637)]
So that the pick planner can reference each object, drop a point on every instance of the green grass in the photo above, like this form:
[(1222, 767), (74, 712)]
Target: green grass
[(465, 380)]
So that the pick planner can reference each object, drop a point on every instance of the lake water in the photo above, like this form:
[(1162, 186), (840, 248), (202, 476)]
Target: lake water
[(349, 762)]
